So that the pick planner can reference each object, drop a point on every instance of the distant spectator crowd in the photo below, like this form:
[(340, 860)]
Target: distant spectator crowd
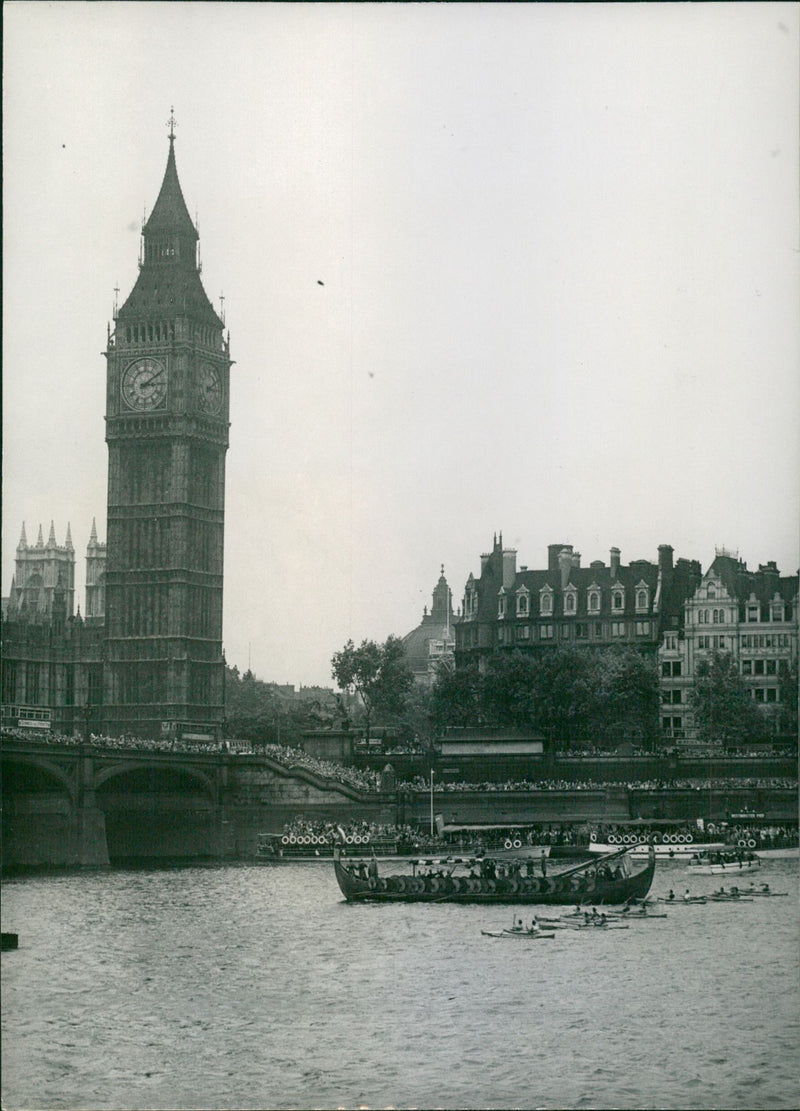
[(420, 783)]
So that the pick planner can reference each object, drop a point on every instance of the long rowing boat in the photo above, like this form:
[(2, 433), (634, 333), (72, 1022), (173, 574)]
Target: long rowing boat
[(602, 880)]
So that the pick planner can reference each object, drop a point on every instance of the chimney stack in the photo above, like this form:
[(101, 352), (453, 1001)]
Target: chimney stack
[(509, 567), (553, 552), (614, 556), (565, 564)]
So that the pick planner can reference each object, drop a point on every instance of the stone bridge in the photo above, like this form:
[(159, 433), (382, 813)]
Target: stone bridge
[(89, 806)]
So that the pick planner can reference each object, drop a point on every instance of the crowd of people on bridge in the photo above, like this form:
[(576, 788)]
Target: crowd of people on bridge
[(775, 782), (367, 780)]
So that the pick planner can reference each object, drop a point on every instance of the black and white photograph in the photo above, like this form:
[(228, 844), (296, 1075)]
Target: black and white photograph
[(400, 549)]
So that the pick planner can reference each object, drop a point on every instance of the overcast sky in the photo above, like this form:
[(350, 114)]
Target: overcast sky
[(559, 248)]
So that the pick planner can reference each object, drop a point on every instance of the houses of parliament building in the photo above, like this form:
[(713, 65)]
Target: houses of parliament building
[(145, 656)]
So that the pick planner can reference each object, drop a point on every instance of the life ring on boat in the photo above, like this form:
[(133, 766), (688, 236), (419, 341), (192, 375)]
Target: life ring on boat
[(689, 838), (681, 838), (613, 839), (382, 884), (575, 883), (592, 836), (400, 883), (513, 887), (456, 882), (656, 838), (491, 886), (292, 839), (474, 885), (742, 842), (711, 827), (532, 885), (435, 885), (751, 844), (517, 843), (419, 885), (373, 883), (284, 840), (508, 843), (545, 886), (626, 839)]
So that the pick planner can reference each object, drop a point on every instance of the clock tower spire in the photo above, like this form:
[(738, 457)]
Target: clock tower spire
[(167, 381)]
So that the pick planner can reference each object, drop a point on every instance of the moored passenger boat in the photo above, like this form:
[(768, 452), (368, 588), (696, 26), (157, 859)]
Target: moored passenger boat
[(602, 880), (717, 863)]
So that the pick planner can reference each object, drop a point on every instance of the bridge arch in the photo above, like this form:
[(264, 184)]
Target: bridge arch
[(46, 771), (105, 775)]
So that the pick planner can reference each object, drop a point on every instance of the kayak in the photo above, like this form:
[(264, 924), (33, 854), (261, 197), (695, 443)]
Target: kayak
[(529, 935)]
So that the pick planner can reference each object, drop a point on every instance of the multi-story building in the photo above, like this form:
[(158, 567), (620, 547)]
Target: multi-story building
[(432, 642), (750, 615), (52, 656), (570, 605)]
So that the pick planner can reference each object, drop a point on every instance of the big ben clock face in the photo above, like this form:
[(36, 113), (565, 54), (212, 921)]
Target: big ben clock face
[(144, 385), (210, 386)]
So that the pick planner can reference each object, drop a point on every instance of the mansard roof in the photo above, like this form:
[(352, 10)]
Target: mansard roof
[(763, 584)]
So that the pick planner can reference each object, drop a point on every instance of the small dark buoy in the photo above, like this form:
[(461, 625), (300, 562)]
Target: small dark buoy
[(320, 282), (9, 941)]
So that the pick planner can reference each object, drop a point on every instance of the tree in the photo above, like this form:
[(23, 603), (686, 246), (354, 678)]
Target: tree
[(626, 695), (378, 673), (723, 708), (456, 696), (788, 693)]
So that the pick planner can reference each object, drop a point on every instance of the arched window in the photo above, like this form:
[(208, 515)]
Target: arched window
[(547, 603), (569, 603), (711, 590), (522, 605), (641, 599), (594, 602), (616, 600)]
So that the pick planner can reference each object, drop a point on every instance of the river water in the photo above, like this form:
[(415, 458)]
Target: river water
[(258, 987)]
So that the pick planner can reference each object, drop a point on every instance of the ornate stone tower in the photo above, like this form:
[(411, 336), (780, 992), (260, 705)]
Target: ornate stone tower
[(168, 366), (95, 577), (44, 579)]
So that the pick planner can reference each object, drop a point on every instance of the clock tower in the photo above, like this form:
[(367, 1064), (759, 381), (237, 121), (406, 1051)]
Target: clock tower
[(167, 407)]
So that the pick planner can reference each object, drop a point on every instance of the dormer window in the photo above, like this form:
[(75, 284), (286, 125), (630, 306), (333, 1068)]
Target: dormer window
[(642, 598), (617, 600), (594, 601), (776, 613), (570, 602), (523, 603), (502, 604), (711, 590), (546, 601)]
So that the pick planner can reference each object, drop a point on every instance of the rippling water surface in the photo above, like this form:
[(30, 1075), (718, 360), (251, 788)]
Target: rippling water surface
[(258, 987)]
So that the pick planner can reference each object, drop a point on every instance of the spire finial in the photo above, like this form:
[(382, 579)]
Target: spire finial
[(171, 124)]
